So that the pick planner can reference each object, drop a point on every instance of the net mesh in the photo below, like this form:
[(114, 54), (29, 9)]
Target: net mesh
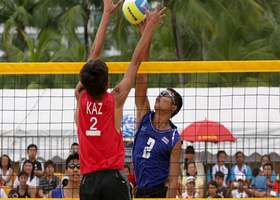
[(37, 106)]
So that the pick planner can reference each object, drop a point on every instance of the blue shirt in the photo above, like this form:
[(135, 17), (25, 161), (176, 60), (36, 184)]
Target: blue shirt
[(151, 152), (259, 183), (246, 170)]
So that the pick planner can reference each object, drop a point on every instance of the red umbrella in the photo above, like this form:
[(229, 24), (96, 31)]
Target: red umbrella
[(206, 131)]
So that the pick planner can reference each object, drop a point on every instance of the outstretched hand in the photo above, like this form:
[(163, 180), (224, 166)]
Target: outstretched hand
[(110, 7), (155, 17)]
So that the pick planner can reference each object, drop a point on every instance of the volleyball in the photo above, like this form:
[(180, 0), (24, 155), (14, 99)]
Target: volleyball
[(133, 11)]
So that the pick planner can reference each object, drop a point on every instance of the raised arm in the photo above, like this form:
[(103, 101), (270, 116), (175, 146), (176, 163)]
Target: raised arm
[(123, 88), (141, 99), (109, 9)]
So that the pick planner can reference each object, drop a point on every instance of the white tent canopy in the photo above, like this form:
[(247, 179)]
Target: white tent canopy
[(46, 117)]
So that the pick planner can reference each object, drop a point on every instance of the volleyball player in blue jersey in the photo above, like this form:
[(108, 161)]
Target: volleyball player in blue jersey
[(157, 143)]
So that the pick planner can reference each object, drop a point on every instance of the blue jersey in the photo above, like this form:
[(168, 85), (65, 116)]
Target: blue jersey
[(151, 152)]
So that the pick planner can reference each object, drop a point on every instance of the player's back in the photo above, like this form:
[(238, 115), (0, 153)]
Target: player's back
[(101, 146)]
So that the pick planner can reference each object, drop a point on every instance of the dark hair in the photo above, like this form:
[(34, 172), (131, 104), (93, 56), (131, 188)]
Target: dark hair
[(22, 173), (187, 166), (9, 161), (74, 144), (221, 152), (189, 149), (213, 183), (239, 152), (266, 155), (219, 174), (256, 171), (73, 156), (94, 77), (178, 101), (127, 167), (32, 145), (32, 171), (268, 164), (49, 163)]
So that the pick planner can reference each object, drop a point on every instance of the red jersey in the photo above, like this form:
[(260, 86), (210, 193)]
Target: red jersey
[(101, 146)]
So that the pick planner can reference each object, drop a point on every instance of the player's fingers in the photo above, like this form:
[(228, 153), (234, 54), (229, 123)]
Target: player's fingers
[(162, 10), (119, 3), (157, 6), (145, 9)]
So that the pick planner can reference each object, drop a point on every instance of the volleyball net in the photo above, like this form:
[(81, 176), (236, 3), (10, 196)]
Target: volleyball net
[(37, 106)]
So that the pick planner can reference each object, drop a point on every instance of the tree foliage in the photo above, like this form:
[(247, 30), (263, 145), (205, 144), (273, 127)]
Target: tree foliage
[(194, 30)]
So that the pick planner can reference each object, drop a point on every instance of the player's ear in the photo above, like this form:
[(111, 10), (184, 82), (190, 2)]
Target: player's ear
[(173, 107)]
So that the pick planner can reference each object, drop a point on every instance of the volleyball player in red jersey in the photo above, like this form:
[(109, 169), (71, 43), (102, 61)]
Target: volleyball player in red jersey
[(99, 114)]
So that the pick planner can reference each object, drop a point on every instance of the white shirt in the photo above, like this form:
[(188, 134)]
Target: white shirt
[(236, 194), (2, 193), (185, 195), (34, 182), (5, 176)]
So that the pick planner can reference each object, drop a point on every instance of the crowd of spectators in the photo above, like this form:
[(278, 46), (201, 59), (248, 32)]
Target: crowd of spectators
[(217, 180), (38, 179)]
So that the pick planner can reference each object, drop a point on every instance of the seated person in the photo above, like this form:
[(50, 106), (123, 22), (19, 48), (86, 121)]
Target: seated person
[(272, 185), (219, 178), (191, 190), (74, 148), (32, 180), (240, 167), (23, 190), (191, 171), (38, 165), (266, 159), (219, 166), (6, 171), (190, 157), (73, 172), (212, 190), (258, 182), (49, 181), (239, 187), (126, 171)]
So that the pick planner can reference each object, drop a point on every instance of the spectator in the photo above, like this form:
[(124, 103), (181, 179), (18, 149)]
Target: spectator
[(38, 165), (272, 185), (212, 190), (6, 171), (219, 179), (190, 157), (49, 181), (191, 171), (258, 184), (33, 180), (127, 173), (23, 190), (240, 168), (219, 166), (191, 188), (74, 148), (239, 187), (266, 159), (73, 172)]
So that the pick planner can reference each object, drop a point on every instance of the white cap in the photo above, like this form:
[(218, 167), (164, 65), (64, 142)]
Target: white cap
[(190, 179), (240, 176)]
